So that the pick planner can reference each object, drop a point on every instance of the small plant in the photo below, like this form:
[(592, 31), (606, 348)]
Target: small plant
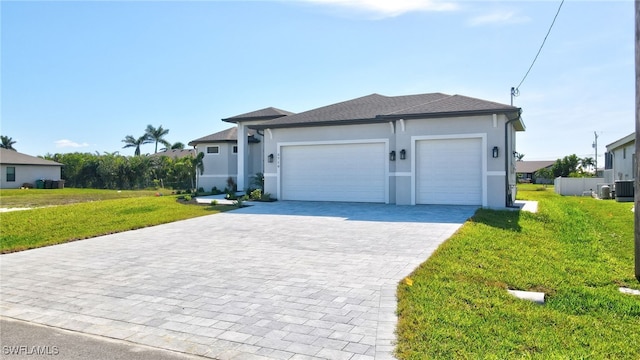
[(214, 202), (258, 180), (216, 191), (239, 202), (187, 198), (231, 184), (200, 189), (266, 197), (256, 194)]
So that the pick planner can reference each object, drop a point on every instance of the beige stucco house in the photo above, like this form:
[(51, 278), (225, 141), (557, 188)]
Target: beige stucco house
[(17, 169), (416, 149)]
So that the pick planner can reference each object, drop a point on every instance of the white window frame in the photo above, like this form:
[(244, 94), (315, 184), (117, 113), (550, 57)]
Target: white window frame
[(213, 153)]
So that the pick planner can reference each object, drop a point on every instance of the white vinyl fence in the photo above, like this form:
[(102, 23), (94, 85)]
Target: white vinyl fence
[(576, 186)]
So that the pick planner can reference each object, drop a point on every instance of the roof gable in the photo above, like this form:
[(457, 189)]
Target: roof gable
[(262, 114), (11, 157), (228, 135), (621, 142)]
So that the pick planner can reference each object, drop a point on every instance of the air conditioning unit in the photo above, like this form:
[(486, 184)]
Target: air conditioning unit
[(624, 190)]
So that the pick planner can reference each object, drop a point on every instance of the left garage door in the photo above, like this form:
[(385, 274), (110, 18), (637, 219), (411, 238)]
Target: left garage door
[(333, 172)]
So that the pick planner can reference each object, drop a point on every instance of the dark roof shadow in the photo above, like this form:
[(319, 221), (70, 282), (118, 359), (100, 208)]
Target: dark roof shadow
[(454, 214), (501, 219)]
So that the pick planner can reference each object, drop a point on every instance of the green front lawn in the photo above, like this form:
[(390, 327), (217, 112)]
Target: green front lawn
[(21, 230), (30, 198), (577, 250)]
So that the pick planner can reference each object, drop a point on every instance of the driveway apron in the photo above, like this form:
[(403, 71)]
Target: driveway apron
[(282, 280)]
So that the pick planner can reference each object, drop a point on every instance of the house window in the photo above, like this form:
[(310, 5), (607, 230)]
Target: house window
[(11, 173), (235, 149), (213, 149)]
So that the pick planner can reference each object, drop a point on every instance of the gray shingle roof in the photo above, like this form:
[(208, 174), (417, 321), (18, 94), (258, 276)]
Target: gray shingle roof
[(228, 135), (10, 157), (376, 107), (262, 114), (532, 166), (176, 153)]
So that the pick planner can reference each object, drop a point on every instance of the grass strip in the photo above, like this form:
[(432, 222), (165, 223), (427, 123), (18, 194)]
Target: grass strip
[(577, 250), (21, 230), (30, 198)]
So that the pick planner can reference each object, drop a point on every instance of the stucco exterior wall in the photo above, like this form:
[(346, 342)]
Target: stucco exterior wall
[(219, 167), (400, 135), (28, 174), (623, 160)]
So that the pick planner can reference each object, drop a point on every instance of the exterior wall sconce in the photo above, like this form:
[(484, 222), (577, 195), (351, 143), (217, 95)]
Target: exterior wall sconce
[(403, 154), (495, 152), (270, 158), (392, 155)]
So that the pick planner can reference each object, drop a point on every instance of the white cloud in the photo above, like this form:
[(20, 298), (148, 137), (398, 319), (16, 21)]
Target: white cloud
[(64, 143), (390, 8), (500, 17)]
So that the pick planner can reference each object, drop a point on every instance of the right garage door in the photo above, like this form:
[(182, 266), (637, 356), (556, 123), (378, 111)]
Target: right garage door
[(449, 171)]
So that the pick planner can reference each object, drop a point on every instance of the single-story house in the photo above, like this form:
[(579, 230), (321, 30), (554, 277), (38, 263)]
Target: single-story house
[(415, 149), (620, 159), (17, 169), (526, 170)]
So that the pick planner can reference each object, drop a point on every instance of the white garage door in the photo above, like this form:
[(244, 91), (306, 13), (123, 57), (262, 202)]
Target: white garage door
[(449, 171), (333, 172)]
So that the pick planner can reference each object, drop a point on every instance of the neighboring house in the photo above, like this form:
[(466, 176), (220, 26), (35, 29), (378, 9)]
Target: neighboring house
[(415, 149), (17, 169), (175, 153), (620, 159), (526, 170)]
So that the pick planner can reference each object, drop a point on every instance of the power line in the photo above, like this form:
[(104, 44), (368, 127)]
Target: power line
[(515, 91)]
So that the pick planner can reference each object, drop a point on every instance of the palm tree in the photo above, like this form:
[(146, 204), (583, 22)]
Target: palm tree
[(588, 163), (198, 166), (130, 141), (175, 146), (7, 143), (157, 135)]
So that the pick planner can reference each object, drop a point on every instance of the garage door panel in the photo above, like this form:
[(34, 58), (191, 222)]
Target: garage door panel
[(334, 172), (449, 171)]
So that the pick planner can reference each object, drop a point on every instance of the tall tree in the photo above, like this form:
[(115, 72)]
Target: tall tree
[(130, 141), (588, 163), (566, 166), (158, 135), (7, 143)]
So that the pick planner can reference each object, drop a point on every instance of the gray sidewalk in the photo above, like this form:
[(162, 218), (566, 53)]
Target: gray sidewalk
[(281, 280)]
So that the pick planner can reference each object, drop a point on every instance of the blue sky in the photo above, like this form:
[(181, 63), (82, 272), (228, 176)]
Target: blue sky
[(81, 75)]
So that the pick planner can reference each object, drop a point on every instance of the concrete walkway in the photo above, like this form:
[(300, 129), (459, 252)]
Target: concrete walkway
[(282, 280)]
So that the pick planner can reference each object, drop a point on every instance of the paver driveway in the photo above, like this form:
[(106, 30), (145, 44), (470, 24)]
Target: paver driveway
[(283, 280)]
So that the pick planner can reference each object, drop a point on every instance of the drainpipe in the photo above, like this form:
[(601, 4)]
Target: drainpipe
[(508, 202)]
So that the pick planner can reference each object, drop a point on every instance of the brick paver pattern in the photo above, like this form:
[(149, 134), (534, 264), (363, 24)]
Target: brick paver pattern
[(282, 280)]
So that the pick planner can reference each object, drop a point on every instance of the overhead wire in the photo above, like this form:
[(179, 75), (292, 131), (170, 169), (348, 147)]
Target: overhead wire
[(517, 88)]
